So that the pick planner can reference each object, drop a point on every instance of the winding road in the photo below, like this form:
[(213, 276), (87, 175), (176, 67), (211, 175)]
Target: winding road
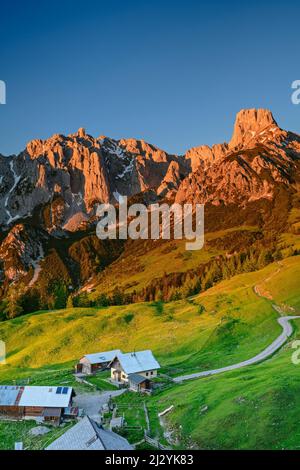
[(287, 331), (287, 328)]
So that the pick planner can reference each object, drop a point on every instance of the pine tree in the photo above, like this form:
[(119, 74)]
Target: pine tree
[(102, 301), (13, 307), (70, 302)]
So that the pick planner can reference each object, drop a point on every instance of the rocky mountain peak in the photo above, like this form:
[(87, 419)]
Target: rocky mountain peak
[(249, 123), (52, 188), (72, 174), (81, 132)]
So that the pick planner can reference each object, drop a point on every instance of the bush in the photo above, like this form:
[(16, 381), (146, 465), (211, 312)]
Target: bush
[(159, 307), (201, 309), (128, 317)]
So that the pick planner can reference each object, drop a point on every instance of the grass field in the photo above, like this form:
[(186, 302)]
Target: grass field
[(256, 407), (253, 408), (100, 381), (284, 287), (19, 431), (223, 325)]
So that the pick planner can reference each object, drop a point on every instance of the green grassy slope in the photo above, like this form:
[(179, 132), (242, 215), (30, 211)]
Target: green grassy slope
[(284, 287), (225, 324), (11, 432), (253, 408)]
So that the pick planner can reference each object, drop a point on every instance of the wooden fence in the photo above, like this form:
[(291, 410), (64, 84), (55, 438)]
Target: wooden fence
[(155, 443)]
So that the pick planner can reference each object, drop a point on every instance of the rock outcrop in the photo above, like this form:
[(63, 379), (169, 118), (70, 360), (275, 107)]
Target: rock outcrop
[(51, 190), (249, 124)]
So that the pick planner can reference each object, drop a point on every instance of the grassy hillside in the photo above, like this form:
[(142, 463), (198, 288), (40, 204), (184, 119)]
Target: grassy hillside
[(253, 408), (283, 286), (11, 432), (142, 261), (225, 324)]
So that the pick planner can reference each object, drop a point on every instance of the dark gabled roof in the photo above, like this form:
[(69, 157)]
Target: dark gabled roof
[(137, 379)]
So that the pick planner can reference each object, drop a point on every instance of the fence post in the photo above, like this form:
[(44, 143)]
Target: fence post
[(147, 418)]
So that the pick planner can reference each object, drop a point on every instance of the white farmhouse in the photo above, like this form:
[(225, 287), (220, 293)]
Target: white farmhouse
[(140, 362)]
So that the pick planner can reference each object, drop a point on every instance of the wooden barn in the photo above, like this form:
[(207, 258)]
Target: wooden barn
[(92, 363), (43, 404)]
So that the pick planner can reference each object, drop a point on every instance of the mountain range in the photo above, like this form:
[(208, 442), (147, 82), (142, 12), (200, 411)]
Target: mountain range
[(49, 195)]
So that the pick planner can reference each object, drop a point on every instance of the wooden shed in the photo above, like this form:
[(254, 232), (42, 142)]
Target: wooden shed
[(139, 383)]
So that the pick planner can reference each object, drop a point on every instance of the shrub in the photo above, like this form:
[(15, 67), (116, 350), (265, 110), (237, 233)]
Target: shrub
[(128, 317)]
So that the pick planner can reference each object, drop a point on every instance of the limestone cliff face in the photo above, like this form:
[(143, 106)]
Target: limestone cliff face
[(205, 156), (238, 179), (80, 170), (249, 124), (20, 251), (171, 181), (259, 157), (52, 188), (72, 174)]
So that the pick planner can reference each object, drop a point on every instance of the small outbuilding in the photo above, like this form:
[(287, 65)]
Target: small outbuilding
[(92, 363), (139, 383)]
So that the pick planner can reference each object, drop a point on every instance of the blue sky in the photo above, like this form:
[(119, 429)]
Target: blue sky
[(172, 72)]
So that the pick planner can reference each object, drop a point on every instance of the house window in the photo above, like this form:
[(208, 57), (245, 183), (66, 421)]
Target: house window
[(152, 372), (147, 373)]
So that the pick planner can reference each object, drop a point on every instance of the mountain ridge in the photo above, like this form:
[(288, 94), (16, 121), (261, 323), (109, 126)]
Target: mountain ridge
[(49, 194)]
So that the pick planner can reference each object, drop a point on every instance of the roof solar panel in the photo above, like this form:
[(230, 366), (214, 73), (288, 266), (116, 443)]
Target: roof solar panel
[(65, 390), (59, 390)]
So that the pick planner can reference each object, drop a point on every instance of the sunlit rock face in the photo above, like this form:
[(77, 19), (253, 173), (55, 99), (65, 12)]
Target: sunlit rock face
[(53, 187), (80, 170)]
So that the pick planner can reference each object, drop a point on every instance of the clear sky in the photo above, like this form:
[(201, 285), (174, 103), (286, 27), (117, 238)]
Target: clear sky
[(171, 72)]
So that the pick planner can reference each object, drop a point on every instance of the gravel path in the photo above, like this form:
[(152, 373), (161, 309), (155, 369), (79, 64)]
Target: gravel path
[(91, 403)]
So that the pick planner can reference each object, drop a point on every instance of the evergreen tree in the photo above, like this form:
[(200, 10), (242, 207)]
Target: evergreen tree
[(118, 297), (14, 307), (70, 302), (83, 300), (102, 301), (60, 295)]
